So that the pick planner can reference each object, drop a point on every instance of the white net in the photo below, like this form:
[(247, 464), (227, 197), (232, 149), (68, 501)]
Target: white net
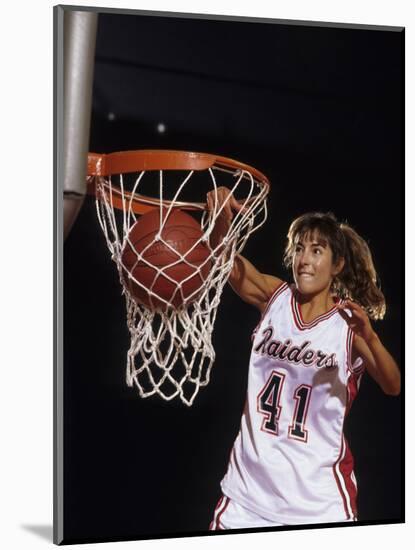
[(171, 312)]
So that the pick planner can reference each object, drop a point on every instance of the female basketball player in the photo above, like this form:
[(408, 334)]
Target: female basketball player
[(290, 463)]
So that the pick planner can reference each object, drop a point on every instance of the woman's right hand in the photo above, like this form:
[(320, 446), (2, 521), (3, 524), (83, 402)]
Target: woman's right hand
[(223, 197)]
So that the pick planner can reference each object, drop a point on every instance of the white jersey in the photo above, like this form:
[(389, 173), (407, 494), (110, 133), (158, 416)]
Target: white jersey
[(290, 462)]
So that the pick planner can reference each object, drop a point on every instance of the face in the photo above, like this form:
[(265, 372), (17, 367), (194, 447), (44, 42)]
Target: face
[(313, 267)]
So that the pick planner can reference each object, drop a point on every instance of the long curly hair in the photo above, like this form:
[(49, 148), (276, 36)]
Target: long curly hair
[(358, 280)]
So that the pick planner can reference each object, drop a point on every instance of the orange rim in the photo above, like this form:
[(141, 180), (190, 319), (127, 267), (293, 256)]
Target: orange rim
[(101, 165)]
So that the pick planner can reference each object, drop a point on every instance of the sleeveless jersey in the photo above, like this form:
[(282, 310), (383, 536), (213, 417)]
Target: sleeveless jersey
[(290, 462)]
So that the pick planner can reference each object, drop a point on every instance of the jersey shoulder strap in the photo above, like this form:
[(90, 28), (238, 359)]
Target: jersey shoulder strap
[(277, 292)]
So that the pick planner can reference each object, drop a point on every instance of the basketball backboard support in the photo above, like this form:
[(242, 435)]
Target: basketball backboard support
[(79, 37)]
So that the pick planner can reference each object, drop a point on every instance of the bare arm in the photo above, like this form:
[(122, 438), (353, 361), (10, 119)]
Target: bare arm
[(253, 287), (378, 361)]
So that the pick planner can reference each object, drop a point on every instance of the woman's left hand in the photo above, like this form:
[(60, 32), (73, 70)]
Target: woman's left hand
[(358, 321)]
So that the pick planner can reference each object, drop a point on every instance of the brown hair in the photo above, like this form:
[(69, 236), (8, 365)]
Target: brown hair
[(358, 280)]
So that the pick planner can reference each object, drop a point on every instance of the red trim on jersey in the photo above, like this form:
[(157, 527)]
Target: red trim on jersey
[(211, 525), (298, 319), (345, 464), (352, 390), (346, 469), (349, 345), (277, 292), (217, 522), (360, 368), (336, 477)]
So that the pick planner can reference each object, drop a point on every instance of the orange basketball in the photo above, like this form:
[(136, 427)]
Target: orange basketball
[(179, 234)]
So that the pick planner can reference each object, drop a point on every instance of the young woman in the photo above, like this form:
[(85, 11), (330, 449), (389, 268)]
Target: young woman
[(290, 463)]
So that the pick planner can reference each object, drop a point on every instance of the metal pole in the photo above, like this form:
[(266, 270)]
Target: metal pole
[(80, 29)]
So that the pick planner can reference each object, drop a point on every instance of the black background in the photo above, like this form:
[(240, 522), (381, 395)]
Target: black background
[(319, 110)]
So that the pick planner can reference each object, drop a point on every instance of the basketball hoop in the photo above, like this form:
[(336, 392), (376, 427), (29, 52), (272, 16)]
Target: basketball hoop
[(171, 352)]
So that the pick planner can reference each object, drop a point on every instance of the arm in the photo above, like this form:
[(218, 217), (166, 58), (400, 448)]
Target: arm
[(253, 287), (378, 361)]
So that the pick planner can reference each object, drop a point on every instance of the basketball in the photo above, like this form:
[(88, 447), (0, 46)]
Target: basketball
[(178, 283)]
